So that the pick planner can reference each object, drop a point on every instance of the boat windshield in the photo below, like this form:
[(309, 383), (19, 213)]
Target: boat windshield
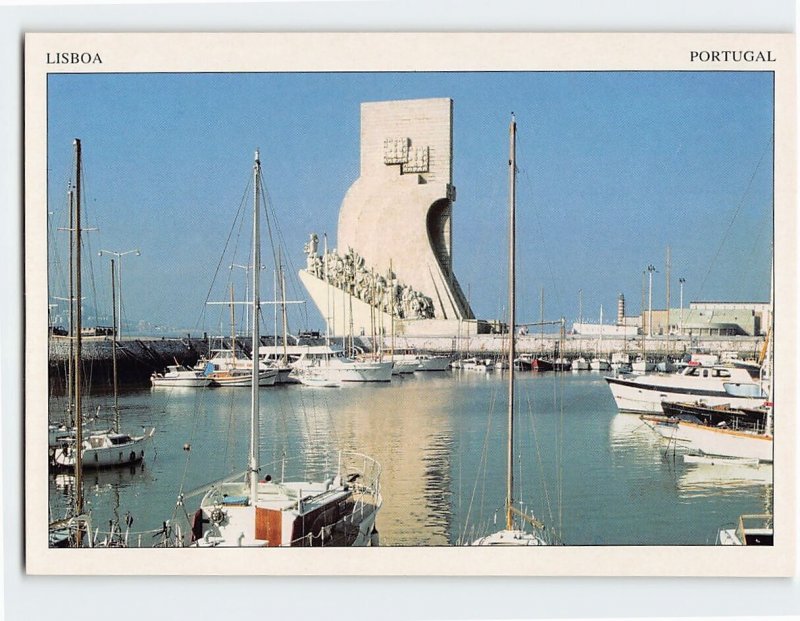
[(753, 391)]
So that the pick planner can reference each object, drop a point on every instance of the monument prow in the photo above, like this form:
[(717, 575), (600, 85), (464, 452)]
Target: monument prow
[(395, 228)]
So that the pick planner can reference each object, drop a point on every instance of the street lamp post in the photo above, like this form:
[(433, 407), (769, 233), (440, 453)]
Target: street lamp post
[(119, 255), (650, 268), (681, 281)]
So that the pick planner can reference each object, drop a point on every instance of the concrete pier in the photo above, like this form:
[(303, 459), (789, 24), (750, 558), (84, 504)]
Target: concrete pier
[(138, 358)]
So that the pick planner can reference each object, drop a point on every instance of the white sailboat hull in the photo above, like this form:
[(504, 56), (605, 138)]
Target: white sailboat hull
[(433, 363), (106, 456), (509, 538), (717, 441), (404, 367), (180, 382), (224, 378)]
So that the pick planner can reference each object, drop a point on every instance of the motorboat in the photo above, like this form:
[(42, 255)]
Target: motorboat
[(477, 364), (717, 385), (580, 364), (333, 363), (180, 375), (429, 362)]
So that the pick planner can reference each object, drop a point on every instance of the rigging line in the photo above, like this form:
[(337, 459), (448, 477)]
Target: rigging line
[(269, 224), (558, 405), (532, 422), (735, 214), (197, 412), (481, 474), (537, 222), (560, 461), (750, 264), (201, 318), (268, 203)]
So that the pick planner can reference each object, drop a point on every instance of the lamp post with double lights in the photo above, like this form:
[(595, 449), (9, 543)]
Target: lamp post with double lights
[(119, 255), (650, 268)]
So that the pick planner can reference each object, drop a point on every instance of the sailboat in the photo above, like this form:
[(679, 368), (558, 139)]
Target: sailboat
[(338, 510), (98, 449), (515, 532)]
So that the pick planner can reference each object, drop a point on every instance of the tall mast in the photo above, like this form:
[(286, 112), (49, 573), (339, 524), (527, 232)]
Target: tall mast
[(71, 370), (668, 268), (512, 197), (76, 254), (283, 308), (114, 349), (255, 333), (233, 329), (328, 290)]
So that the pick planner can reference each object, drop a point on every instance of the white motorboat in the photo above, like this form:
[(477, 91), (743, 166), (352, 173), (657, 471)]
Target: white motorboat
[(643, 365), (481, 365), (404, 366), (336, 509), (599, 364), (580, 364), (428, 362), (314, 377), (181, 376), (337, 367), (713, 385)]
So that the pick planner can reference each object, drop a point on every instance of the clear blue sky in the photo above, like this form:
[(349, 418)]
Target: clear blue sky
[(613, 168)]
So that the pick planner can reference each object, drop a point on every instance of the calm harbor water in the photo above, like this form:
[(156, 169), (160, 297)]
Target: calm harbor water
[(592, 475)]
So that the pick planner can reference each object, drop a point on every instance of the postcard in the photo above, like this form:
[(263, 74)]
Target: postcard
[(410, 304)]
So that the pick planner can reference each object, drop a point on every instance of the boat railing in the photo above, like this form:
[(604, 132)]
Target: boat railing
[(751, 523), (359, 471)]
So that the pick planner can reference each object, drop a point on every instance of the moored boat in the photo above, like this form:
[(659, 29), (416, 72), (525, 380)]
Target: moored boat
[(751, 530), (180, 375), (644, 394), (338, 367), (429, 362)]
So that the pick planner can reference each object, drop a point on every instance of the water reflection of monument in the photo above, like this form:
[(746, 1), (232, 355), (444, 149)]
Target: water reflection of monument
[(394, 255), (412, 439)]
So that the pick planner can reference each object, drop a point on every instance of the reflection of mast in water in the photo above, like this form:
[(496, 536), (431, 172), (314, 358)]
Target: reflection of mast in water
[(629, 434)]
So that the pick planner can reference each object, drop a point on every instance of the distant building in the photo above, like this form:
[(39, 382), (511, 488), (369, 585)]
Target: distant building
[(699, 319), (710, 319)]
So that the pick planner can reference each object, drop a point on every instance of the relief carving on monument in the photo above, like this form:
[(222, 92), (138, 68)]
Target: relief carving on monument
[(350, 274)]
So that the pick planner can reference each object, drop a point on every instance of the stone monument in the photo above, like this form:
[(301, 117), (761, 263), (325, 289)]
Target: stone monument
[(394, 259)]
